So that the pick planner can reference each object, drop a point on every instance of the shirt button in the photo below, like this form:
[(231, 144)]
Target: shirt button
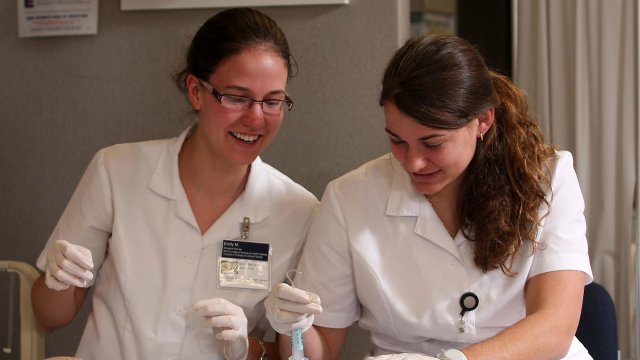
[(179, 310), (189, 258)]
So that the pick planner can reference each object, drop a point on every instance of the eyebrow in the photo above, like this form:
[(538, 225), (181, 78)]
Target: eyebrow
[(424, 138)]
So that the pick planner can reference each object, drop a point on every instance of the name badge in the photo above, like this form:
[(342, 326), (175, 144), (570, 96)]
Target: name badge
[(245, 265)]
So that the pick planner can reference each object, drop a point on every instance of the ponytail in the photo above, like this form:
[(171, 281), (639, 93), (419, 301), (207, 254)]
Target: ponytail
[(506, 182)]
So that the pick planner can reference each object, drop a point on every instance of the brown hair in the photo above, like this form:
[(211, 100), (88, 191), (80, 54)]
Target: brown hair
[(443, 82), (228, 33)]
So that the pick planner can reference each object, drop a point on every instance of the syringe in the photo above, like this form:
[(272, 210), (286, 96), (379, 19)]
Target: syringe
[(297, 347), (296, 279)]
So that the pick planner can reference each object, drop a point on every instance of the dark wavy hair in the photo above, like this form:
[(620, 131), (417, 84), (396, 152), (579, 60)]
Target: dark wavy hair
[(228, 33), (443, 82)]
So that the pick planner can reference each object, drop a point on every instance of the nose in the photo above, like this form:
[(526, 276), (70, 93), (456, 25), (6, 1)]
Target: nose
[(253, 117), (415, 160)]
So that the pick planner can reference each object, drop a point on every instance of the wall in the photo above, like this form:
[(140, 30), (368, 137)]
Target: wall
[(63, 98)]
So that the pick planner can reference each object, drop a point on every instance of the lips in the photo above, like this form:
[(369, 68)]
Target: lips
[(425, 177)]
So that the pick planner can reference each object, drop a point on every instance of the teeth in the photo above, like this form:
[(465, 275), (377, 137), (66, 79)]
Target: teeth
[(245, 138)]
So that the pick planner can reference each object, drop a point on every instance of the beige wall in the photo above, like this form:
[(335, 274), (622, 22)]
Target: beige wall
[(63, 98)]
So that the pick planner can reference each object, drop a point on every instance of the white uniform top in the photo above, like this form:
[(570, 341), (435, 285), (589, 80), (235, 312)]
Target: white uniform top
[(151, 261), (377, 253)]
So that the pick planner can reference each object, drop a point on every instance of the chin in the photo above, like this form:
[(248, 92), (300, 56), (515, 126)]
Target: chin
[(245, 160), (427, 189)]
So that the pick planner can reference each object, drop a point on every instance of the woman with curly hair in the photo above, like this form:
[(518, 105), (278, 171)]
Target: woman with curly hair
[(466, 242)]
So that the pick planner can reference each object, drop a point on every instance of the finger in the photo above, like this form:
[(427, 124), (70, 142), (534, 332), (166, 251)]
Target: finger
[(80, 255), (216, 306), (228, 335), (286, 292), (54, 284), (67, 278), (309, 308), (226, 321), (303, 323), (209, 307), (70, 267), (286, 317), (314, 298)]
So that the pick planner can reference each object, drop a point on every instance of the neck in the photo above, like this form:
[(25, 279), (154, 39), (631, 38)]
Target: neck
[(211, 186), (445, 205), (206, 173)]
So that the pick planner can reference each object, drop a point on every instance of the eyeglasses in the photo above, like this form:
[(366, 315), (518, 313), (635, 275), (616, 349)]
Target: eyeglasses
[(243, 103)]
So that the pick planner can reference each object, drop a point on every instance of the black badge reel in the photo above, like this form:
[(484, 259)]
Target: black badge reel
[(468, 302)]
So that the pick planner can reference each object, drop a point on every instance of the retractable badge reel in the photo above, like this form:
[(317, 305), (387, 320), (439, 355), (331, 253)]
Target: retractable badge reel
[(468, 302)]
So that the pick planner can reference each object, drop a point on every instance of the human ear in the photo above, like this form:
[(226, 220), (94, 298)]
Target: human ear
[(193, 91), (485, 121)]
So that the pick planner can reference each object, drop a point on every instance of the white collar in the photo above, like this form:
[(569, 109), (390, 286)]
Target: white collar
[(254, 201), (405, 200)]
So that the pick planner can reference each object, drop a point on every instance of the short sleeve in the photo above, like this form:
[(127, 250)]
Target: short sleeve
[(327, 263), (88, 218), (562, 236)]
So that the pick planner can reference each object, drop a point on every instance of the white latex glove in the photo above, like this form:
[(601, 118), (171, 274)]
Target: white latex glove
[(68, 265), (229, 325), (290, 308), (404, 356)]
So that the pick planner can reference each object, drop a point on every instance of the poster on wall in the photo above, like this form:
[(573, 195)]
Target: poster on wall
[(189, 4), (57, 17)]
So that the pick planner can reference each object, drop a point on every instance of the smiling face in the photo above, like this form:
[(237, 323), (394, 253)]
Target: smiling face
[(434, 158), (236, 136)]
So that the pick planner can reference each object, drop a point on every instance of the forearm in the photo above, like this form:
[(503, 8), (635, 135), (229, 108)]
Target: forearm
[(54, 309), (284, 345), (554, 301), (538, 337)]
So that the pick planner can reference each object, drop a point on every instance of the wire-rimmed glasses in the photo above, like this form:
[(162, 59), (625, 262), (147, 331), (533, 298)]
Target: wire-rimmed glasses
[(243, 103)]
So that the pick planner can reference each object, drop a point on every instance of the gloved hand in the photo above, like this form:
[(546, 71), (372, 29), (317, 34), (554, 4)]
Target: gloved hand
[(403, 356), (291, 308), (68, 265), (229, 325), (452, 354)]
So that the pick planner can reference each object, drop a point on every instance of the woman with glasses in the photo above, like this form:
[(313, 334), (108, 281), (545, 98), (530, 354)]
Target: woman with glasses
[(181, 238), (467, 241)]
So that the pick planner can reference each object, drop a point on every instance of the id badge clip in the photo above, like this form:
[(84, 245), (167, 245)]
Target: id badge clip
[(244, 264), (468, 302)]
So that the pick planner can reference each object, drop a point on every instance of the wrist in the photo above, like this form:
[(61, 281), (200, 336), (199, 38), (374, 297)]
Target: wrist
[(258, 349), (263, 350)]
